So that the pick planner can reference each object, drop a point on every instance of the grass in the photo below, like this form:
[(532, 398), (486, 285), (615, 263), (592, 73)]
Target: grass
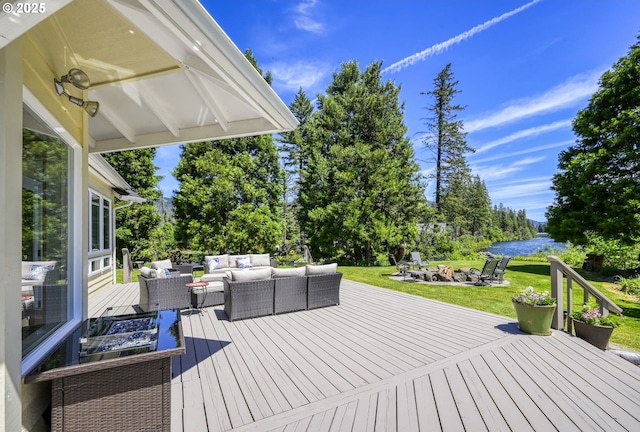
[(497, 299)]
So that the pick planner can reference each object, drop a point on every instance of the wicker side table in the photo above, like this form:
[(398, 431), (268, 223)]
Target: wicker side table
[(113, 390)]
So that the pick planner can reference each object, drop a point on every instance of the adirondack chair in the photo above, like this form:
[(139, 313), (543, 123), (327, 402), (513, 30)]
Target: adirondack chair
[(499, 271), (416, 259), (487, 272), (402, 266)]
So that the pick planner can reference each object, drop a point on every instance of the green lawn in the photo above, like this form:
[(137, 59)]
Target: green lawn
[(520, 275)]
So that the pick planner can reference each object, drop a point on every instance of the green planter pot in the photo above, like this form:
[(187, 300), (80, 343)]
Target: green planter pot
[(535, 320), (596, 335)]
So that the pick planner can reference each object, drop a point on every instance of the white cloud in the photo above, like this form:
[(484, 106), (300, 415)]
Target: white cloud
[(304, 18), (443, 46), (525, 134), (497, 172), (526, 151), (522, 190), (566, 94), (292, 76)]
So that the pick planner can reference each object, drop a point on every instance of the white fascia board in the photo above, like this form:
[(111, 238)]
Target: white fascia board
[(106, 171)]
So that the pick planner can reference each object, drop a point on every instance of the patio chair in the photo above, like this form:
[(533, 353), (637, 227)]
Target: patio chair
[(487, 272), (416, 261), (168, 293), (500, 270)]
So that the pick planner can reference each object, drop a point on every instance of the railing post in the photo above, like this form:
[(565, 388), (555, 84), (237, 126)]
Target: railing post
[(557, 292), (569, 304)]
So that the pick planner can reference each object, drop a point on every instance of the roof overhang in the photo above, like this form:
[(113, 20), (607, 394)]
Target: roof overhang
[(120, 187), (163, 72)]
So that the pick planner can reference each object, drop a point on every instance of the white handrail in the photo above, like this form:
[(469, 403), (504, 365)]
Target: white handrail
[(560, 268)]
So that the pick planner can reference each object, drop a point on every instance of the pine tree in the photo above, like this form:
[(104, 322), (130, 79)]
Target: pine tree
[(361, 192), (445, 133), (135, 224)]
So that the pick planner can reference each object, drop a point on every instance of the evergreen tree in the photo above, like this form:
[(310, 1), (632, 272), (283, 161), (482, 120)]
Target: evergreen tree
[(294, 151), (598, 185), (360, 192), (135, 224), (293, 145), (445, 133), (230, 193)]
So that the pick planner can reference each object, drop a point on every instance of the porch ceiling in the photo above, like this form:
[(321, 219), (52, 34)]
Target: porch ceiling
[(163, 72)]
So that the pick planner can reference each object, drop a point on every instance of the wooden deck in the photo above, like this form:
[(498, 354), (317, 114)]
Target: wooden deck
[(389, 361)]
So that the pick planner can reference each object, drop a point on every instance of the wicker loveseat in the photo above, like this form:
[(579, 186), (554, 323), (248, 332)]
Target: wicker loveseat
[(262, 292)]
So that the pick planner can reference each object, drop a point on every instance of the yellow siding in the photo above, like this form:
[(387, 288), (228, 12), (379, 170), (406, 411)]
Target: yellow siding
[(39, 72)]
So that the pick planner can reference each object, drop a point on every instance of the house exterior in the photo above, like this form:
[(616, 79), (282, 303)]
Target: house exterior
[(108, 192), (79, 78)]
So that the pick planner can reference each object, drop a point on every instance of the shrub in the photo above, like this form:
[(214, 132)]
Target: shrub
[(629, 286)]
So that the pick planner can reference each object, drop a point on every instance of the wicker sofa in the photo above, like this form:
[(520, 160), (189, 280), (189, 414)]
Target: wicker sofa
[(258, 293), (217, 267)]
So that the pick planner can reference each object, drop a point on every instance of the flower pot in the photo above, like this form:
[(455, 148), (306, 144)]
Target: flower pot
[(535, 320), (596, 335)]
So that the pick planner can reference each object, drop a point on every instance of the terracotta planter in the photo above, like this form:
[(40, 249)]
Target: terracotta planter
[(535, 320), (596, 335)]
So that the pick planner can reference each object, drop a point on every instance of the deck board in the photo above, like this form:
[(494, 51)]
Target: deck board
[(388, 361)]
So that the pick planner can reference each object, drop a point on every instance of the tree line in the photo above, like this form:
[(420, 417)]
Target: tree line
[(345, 183)]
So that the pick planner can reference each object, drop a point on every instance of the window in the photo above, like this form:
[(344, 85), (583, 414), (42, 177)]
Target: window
[(100, 223), (46, 210), (100, 233)]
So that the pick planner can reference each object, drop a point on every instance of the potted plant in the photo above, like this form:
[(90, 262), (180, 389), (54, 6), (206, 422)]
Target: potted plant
[(594, 328), (534, 311)]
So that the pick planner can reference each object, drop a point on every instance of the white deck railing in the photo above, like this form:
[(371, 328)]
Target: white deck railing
[(559, 269)]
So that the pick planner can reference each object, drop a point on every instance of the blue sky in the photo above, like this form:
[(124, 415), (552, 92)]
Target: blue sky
[(525, 68)]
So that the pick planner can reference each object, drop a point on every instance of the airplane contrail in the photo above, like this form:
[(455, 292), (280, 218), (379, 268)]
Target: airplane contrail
[(443, 46)]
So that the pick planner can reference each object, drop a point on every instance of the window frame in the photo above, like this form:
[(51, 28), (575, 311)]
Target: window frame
[(100, 259)]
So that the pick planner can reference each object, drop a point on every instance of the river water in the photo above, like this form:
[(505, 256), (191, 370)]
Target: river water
[(526, 247)]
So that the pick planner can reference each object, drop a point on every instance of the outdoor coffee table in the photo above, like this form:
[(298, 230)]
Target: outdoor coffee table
[(198, 294), (113, 373)]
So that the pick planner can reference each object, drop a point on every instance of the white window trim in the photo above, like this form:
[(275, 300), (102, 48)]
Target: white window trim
[(104, 249), (74, 272)]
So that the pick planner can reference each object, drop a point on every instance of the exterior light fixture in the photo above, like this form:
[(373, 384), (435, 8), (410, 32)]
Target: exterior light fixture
[(80, 80)]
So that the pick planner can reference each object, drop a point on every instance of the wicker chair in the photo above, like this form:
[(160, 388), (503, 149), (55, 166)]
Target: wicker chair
[(290, 294), (248, 299), (323, 290), (168, 293)]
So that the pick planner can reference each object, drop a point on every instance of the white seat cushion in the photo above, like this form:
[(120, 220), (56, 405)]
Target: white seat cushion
[(250, 275), (322, 269), (288, 272)]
